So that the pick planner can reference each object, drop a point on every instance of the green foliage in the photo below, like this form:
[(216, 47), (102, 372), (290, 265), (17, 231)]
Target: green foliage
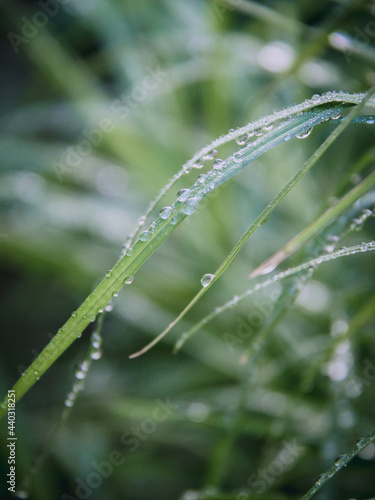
[(278, 381)]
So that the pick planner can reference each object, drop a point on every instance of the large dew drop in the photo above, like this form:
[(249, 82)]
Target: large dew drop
[(165, 212), (183, 195), (206, 279), (304, 134)]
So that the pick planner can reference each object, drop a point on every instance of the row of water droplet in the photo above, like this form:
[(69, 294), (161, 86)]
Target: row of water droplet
[(95, 353)]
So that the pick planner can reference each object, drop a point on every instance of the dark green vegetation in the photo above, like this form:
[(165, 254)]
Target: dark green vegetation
[(101, 106)]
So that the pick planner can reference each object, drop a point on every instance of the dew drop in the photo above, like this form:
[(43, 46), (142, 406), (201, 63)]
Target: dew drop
[(287, 137), (267, 127), (36, 375), (242, 140), (202, 178), (165, 212), (69, 402), (96, 340), (304, 134), (108, 275), (183, 195), (237, 157), (336, 116), (211, 155), (97, 354), (218, 164), (206, 279), (370, 121), (315, 97), (129, 281), (198, 163), (144, 236)]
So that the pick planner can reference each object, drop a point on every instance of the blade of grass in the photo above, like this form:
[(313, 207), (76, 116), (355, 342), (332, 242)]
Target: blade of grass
[(364, 247), (314, 228), (339, 464)]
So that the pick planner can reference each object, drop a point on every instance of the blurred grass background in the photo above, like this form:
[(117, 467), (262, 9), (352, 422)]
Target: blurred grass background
[(166, 78)]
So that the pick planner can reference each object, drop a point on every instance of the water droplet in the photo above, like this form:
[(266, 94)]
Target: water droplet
[(211, 155), (304, 134), (186, 169), (315, 97), (97, 354), (108, 275), (268, 126), (81, 371), (36, 374), (218, 164), (202, 178), (141, 220), (70, 399), (287, 137), (206, 279), (165, 212), (370, 121), (237, 157), (108, 307), (129, 252), (183, 195), (144, 236), (129, 281), (242, 140), (96, 340), (198, 163), (336, 116)]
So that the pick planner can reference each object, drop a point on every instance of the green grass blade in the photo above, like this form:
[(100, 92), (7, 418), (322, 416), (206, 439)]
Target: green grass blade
[(314, 228), (363, 247)]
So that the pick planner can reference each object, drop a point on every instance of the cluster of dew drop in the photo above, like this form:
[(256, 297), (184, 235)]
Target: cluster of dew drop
[(81, 371), (188, 199), (246, 137)]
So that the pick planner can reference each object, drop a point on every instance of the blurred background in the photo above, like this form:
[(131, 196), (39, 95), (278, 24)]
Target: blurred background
[(101, 104)]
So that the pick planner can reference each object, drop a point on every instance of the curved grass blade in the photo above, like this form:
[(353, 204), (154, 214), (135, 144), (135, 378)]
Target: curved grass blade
[(313, 263), (314, 228), (303, 117), (339, 464), (286, 134)]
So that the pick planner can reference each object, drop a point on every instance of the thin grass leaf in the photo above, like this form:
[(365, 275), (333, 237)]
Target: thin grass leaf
[(314, 228), (363, 247), (339, 464)]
